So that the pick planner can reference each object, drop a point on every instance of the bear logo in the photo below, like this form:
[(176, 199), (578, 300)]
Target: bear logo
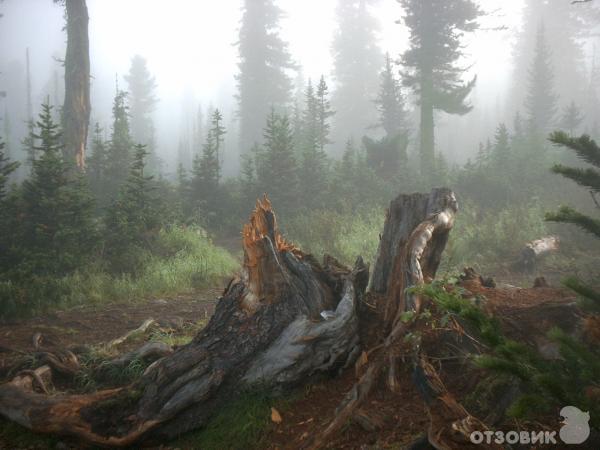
[(575, 429)]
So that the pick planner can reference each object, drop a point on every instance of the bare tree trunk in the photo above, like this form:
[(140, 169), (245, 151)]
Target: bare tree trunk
[(77, 108), (284, 319)]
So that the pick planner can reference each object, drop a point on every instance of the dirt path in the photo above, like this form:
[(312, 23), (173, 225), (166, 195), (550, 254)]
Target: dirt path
[(89, 325)]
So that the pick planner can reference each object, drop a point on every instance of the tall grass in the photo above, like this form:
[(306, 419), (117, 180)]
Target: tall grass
[(181, 260), (342, 235)]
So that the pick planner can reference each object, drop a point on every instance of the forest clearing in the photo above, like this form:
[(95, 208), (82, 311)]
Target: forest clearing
[(271, 224)]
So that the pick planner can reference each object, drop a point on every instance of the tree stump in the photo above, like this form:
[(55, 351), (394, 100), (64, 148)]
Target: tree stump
[(285, 318)]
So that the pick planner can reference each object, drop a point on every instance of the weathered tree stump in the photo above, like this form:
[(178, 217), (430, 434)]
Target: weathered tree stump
[(283, 319)]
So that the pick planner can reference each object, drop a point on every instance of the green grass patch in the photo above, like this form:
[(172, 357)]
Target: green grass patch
[(181, 260)]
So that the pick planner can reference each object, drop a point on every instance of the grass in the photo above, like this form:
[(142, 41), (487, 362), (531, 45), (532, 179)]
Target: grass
[(241, 423), (181, 260), (342, 235)]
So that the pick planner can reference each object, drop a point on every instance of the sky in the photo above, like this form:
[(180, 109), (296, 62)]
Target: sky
[(190, 46)]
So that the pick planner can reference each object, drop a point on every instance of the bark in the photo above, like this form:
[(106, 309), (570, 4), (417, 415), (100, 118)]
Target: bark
[(285, 318), (77, 108), (415, 234), (534, 251)]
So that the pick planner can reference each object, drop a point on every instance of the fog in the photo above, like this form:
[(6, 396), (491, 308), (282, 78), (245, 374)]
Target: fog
[(190, 49)]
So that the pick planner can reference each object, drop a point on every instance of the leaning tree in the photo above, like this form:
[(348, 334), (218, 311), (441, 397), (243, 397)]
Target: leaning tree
[(285, 318)]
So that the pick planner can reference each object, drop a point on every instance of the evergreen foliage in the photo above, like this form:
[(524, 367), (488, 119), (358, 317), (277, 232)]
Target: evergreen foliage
[(436, 28), (540, 102), (142, 102), (357, 59), (133, 218), (277, 173), (57, 230), (119, 147), (263, 56), (390, 102)]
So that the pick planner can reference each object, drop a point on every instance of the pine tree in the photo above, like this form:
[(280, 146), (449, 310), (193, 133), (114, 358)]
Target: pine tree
[(58, 230), (323, 114), (571, 119), (8, 214), (142, 102), (97, 164), (133, 217), (502, 151), (540, 102), (587, 151), (264, 59), (218, 132), (7, 167), (357, 59), (390, 102), (119, 147), (277, 170), (436, 28)]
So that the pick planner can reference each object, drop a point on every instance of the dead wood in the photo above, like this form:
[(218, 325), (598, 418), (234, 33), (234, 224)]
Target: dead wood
[(285, 318)]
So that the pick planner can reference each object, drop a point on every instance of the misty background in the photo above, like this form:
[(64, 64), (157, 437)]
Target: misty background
[(190, 48)]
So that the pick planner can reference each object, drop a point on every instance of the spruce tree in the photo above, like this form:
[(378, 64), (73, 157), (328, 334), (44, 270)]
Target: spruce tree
[(218, 132), (357, 59), (8, 213), (587, 151), (7, 167), (501, 151), (248, 178), (323, 114), (571, 119), (390, 102), (263, 80), (97, 164), (119, 147), (142, 103), (436, 30), (133, 217), (57, 230), (313, 160), (277, 170), (540, 103)]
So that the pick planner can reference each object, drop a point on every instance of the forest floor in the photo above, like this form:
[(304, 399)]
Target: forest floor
[(401, 416)]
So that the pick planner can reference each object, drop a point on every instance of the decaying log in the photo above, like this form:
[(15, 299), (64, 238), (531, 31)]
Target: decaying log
[(415, 234), (285, 318), (534, 251)]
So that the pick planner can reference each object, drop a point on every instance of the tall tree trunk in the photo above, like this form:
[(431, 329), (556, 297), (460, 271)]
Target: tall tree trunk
[(427, 128), (77, 108)]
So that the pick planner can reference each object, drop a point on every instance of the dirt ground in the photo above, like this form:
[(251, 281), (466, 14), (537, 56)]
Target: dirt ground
[(401, 416)]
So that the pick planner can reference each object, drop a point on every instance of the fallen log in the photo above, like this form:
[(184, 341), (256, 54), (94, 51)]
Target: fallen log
[(285, 318), (534, 251)]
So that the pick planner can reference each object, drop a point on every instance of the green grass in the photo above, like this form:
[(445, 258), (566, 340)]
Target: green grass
[(342, 235), (181, 260), (240, 424)]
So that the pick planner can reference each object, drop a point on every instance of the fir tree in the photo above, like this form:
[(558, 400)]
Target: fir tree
[(7, 167), (119, 147), (436, 28), (264, 59), (502, 151), (218, 132), (323, 114), (390, 103), (571, 119), (133, 217), (248, 181), (588, 151), (277, 170), (97, 164), (57, 223), (357, 59), (540, 102), (142, 102)]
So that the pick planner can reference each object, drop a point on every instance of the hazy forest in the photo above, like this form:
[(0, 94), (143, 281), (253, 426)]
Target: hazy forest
[(274, 224)]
